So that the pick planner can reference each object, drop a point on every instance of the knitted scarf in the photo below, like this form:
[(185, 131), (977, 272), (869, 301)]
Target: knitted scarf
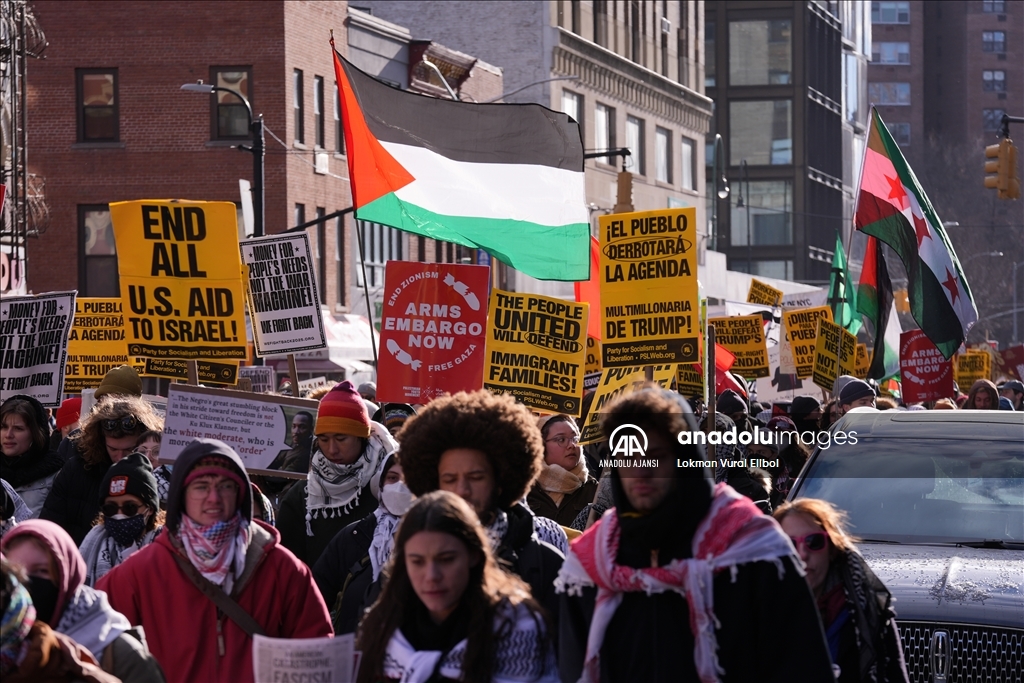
[(15, 625), (497, 529), (216, 549), (558, 481), (733, 532), (383, 539), (333, 490), (102, 553)]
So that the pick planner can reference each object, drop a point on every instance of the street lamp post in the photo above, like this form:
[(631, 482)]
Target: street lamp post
[(258, 150), (721, 192), (745, 182)]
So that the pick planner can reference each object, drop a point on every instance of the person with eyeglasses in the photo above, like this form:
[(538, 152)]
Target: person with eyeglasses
[(855, 606), (130, 516), (211, 543), (109, 433), (565, 486)]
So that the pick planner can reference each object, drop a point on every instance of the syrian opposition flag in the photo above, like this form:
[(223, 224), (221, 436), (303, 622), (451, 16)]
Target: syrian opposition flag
[(504, 178), (842, 296), (893, 207), (875, 301)]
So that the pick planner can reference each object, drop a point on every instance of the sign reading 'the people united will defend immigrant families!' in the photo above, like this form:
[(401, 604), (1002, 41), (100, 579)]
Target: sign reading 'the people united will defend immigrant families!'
[(536, 350), (649, 288), (181, 279), (33, 345), (283, 299)]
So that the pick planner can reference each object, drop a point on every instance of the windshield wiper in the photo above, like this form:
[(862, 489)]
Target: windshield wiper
[(991, 543)]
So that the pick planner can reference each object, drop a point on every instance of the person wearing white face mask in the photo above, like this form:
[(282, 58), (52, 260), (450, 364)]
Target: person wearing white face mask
[(348, 571)]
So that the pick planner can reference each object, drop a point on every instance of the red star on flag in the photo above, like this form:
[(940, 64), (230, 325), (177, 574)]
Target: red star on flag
[(950, 284), (896, 191), (921, 228)]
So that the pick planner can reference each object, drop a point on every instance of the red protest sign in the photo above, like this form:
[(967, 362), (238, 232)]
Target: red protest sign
[(926, 375), (433, 321), (1013, 361)]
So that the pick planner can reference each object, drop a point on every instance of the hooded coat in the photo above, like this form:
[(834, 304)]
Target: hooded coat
[(760, 614), (276, 589), (85, 615), (32, 473), (73, 500)]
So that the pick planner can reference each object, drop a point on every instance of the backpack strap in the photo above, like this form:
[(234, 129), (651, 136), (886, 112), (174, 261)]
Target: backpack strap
[(222, 600)]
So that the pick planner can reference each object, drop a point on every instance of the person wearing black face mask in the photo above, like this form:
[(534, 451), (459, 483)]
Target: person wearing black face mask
[(130, 516), (56, 582)]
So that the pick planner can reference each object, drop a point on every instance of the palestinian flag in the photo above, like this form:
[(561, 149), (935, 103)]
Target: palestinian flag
[(504, 178), (875, 301), (893, 207), (842, 296)]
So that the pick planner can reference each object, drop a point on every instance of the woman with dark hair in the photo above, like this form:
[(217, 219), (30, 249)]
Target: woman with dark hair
[(855, 606), (983, 396), (149, 445), (830, 412), (564, 486), (28, 464), (447, 607), (108, 434)]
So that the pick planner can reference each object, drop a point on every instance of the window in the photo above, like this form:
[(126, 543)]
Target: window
[(890, 53), (900, 132), (780, 270), (992, 119), (662, 155), (760, 52), (601, 22), (709, 54), (230, 115), (321, 253), (889, 93), (890, 12), (604, 130), (318, 111), (572, 104), (300, 215), (97, 105), (762, 132), (771, 212), (994, 81), (635, 142), (300, 131), (687, 164), (339, 131), (993, 41), (339, 257), (97, 273), (380, 245), (634, 30), (993, 6)]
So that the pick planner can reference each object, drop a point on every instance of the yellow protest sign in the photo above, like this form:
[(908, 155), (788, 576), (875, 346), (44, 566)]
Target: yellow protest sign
[(649, 288), (801, 327), (207, 371), (765, 294), (970, 367), (835, 353), (181, 279), (592, 369), (96, 343), (744, 337), (536, 350), (689, 382), (616, 383), (863, 362)]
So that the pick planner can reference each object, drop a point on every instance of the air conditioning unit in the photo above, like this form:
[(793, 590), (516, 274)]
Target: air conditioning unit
[(666, 25), (321, 163)]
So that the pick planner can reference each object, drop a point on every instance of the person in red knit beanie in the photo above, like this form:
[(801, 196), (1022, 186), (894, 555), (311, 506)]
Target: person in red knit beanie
[(348, 450)]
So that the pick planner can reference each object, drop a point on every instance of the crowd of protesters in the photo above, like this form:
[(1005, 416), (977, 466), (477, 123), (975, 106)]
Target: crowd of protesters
[(467, 539)]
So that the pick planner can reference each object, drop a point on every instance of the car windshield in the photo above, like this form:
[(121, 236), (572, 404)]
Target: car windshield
[(923, 490)]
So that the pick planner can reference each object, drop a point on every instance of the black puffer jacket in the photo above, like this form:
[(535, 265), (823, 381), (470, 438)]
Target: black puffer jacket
[(74, 500), (534, 561), (344, 575), (31, 474)]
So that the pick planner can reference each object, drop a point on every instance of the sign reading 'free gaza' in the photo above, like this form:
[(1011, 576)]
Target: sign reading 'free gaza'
[(181, 279), (649, 288)]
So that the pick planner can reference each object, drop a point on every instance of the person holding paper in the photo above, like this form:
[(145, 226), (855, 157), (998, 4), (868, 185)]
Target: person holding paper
[(214, 577), (448, 612)]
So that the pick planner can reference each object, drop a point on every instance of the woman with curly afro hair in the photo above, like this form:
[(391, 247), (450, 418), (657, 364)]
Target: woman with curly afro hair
[(487, 449)]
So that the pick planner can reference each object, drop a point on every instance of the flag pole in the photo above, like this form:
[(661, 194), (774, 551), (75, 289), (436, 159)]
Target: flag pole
[(366, 293)]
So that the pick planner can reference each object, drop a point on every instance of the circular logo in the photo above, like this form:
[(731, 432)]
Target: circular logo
[(688, 349)]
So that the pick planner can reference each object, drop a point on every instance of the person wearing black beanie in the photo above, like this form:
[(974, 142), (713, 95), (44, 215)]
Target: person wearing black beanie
[(805, 411), (856, 394)]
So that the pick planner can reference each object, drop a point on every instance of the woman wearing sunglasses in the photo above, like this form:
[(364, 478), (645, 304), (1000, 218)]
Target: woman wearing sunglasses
[(565, 486), (109, 433), (130, 516), (855, 606)]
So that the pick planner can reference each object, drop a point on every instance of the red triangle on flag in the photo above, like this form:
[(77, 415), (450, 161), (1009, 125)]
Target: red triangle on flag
[(590, 290)]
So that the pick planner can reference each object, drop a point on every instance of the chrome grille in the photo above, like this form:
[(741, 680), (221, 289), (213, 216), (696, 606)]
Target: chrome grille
[(979, 654)]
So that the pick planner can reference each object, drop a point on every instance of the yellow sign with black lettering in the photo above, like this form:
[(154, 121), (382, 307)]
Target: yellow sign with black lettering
[(764, 294), (689, 382), (835, 353), (649, 308), (744, 336), (96, 343), (539, 355), (206, 371), (863, 362), (801, 327), (972, 366), (616, 383), (181, 279)]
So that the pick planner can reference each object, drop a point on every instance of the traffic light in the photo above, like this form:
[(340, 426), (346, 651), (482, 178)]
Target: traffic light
[(1003, 167)]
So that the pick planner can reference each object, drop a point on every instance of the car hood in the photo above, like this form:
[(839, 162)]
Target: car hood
[(949, 584)]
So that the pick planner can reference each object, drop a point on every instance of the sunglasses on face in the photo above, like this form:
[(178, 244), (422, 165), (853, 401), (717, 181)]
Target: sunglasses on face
[(128, 423), (128, 507), (814, 542)]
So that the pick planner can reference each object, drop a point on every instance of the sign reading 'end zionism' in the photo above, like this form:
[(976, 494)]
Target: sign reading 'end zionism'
[(649, 288)]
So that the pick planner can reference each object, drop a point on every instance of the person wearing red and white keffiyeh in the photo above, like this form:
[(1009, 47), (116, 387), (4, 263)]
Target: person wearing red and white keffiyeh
[(683, 580)]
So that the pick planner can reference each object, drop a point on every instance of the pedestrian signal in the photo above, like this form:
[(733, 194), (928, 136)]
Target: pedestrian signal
[(1001, 163)]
